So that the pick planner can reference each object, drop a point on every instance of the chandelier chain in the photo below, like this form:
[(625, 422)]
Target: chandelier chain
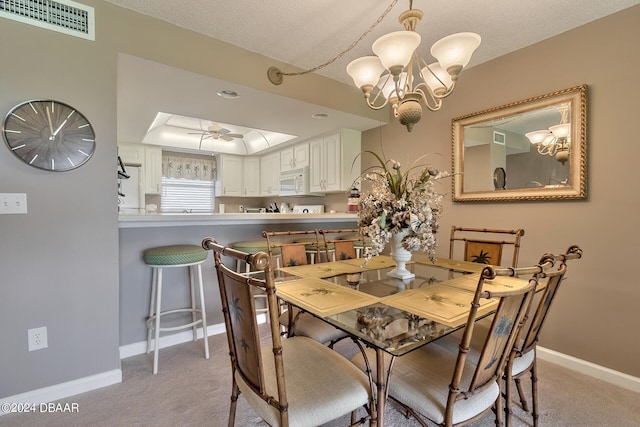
[(341, 54)]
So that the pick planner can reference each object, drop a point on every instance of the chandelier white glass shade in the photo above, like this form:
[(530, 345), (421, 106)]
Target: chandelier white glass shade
[(399, 75), (556, 140)]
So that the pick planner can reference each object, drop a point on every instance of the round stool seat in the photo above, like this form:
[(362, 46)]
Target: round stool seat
[(253, 246), (175, 255)]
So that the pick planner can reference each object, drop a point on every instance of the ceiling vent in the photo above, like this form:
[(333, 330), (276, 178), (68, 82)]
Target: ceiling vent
[(64, 16)]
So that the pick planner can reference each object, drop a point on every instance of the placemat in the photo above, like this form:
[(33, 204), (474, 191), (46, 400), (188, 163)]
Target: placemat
[(321, 297)]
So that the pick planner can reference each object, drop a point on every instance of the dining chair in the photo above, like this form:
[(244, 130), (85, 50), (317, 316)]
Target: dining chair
[(445, 387), (346, 243), (293, 320), (523, 358), (484, 245), (289, 382)]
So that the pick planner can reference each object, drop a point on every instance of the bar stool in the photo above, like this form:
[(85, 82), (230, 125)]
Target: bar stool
[(158, 258)]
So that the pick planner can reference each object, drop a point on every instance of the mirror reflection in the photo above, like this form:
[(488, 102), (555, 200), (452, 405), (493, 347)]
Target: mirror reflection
[(531, 149)]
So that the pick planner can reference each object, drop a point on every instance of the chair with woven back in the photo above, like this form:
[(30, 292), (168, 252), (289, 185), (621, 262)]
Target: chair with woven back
[(523, 358), (446, 387), (294, 381), (293, 320), (484, 245), (345, 243)]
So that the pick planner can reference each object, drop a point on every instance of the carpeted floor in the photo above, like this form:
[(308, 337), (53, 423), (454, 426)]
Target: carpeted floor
[(192, 391)]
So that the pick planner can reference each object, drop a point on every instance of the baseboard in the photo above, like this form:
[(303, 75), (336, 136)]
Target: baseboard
[(140, 347), (600, 372), (66, 389)]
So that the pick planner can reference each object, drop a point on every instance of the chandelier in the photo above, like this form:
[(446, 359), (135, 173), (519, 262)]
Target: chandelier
[(399, 75), (556, 140)]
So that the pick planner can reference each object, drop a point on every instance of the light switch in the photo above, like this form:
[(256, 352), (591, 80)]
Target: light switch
[(13, 203)]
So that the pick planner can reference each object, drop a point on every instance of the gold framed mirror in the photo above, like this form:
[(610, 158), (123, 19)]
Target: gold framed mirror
[(534, 149)]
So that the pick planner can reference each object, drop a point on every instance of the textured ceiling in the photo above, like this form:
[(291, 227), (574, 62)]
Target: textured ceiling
[(309, 33), (306, 34)]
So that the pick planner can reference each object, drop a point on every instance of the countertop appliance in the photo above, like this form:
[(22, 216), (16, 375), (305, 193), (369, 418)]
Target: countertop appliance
[(311, 209)]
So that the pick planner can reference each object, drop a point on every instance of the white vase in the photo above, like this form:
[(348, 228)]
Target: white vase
[(401, 256)]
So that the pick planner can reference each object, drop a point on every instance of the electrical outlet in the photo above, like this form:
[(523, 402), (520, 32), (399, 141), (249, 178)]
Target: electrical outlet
[(37, 338), (241, 208)]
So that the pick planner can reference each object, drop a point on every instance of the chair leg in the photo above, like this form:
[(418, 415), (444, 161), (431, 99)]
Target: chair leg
[(156, 349), (203, 314), (152, 304), (534, 392), (194, 316), (523, 399), (507, 395), (234, 401), (499, 409)]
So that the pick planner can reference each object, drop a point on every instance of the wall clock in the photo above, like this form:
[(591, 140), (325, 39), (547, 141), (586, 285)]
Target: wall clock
[(499, 179), (49, 135)]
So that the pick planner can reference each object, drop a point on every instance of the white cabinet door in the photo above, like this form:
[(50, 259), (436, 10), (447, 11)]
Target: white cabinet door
[(270, 174), (152, 170), (131, 154), (229, 176), (251, 174), (332, 167), (294, 157)]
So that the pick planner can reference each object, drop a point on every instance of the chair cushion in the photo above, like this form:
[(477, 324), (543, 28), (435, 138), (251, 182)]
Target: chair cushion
[(175, 255), (421, 381), (321, 384)]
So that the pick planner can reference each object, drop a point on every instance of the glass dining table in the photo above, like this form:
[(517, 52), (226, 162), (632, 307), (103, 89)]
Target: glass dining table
[(390, 315)]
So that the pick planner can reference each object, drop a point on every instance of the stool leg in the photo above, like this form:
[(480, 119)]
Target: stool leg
[(152, 303), (203, 314), (157, 325), (194, 316)]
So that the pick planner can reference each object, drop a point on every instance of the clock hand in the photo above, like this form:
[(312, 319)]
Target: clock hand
[(59, 128), (50, 125)]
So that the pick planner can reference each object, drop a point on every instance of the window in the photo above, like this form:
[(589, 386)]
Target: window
[(190, 195)]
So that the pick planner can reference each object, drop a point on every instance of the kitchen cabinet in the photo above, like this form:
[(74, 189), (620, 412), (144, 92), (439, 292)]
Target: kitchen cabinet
[(131, 154), (294, 157), (270, 174), (332, 167), (152, 169), (230, 176), (251, 176)]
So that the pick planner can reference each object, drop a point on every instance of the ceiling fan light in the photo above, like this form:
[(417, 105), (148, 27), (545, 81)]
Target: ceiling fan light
[(537, 136), (395, 49), (436, 78), (454, 52), (365, 71)]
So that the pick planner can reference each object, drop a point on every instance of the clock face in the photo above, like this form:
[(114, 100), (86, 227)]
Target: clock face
[(49, 135), (499, 179)]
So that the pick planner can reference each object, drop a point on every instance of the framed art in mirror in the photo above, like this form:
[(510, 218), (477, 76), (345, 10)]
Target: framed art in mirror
[(534, 149)]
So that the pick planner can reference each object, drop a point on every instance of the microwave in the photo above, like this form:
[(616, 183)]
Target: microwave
[(294, 182)]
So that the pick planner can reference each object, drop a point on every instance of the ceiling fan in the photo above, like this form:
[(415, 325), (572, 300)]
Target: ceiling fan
[(216, 132)]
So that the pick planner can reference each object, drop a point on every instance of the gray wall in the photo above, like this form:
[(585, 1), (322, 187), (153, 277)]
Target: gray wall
[(595, 316)]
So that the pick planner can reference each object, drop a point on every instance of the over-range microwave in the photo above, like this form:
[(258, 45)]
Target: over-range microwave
[(294, 182)]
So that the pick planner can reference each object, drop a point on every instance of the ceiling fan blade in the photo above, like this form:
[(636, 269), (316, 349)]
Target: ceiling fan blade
[(235, 135), (226, 137)]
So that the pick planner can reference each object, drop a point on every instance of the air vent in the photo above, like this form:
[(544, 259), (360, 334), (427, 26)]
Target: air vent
[(64, 16)]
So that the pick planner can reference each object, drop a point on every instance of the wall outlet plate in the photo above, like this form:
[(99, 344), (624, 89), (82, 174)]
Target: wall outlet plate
[(37, 338)]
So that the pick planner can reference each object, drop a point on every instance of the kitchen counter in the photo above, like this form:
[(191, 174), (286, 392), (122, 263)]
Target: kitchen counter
[(188, 219)]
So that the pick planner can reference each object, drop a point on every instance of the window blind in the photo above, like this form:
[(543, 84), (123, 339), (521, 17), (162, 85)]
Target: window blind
[(187, 195)]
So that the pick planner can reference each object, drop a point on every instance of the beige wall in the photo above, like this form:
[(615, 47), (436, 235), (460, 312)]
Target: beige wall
[(595, 316)]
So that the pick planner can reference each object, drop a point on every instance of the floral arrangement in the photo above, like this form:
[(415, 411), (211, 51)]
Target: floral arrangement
[(400, 201)]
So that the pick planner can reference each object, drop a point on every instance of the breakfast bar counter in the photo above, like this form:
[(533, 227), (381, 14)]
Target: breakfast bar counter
[(140, 232), (190, 219)]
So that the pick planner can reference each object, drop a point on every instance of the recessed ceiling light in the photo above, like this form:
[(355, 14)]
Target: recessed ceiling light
[(228, 94), (320, 116)]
